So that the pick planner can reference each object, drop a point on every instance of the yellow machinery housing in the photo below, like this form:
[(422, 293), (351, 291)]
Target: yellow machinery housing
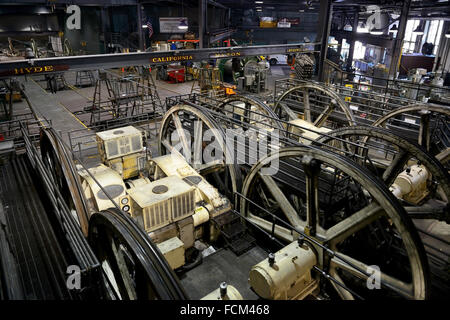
[(287, 276), (164, 195), (121, 150)]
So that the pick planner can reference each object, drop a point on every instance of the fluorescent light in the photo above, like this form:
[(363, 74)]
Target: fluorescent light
[(259, 2), (259, 10), (362, 30), (447, 34), (144, 26), (376, 32)]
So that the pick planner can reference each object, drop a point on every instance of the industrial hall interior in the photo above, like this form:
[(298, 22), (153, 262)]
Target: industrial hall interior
[(225, 150)]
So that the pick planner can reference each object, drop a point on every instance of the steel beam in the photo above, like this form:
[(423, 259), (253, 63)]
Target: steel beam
[(139, 27), (105, 61), (380, 41), (202, 7), (324, 31), (221, 35), (398, 44)]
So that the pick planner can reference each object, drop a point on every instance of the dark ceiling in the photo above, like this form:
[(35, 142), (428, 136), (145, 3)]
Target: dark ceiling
[(419, 8)]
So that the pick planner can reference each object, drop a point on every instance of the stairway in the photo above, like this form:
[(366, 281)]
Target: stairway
[(234, 232)]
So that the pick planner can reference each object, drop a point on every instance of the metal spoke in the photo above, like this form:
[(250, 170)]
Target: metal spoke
[(424, 131), (198, 143), (306, 105), (312, 172), (289, 112), (396, 166), (181, 135), (353, 224), (124, 272), (285, 205), (169, 147), (324, 116), (344, 294)]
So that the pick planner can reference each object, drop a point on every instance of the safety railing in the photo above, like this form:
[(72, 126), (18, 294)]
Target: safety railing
[(12, 130), (83, 142)]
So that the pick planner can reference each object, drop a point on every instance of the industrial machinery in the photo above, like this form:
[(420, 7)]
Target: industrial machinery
[(255, 76), (208, 81), (327, 221), (322, 199), (249, 74), (303, 66), (164, 195), (311, 104), (427, 124), (333, 215), (416, 179)]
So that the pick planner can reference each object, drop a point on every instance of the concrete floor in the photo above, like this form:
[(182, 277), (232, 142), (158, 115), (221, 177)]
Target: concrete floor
[(221, 266)]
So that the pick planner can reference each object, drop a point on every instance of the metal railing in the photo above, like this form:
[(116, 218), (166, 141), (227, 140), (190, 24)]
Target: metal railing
[(81, 253), (391, 87)]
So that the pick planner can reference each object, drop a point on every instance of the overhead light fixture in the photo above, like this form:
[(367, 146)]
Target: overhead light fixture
[(259, 2), (393, 29), (183, 25), (447, 34), (144, 26), (419, 30), (259, 10), (376, 32)]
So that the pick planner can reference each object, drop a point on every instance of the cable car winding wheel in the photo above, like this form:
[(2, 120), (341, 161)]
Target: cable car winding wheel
[(250, 110), (133, 267), (414, 176), (315, 104), (190, 131), (426, 124), (354, 219)]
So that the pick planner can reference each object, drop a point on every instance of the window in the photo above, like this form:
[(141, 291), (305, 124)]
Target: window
[(360, 51), (433, 33), (345, 49), (409, 42)]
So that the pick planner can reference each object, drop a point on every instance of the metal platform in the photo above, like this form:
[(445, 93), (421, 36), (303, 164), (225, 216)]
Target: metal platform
[(47, 106)]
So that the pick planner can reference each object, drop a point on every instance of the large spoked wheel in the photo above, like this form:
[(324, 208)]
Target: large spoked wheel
[(424, 123), (316, 104), (386, 155), (59, 162), (133, 268), (252, 111), (193, 133), (346, 209)]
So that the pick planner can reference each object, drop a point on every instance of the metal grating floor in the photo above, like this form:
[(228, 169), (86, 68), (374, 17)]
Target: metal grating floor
[(31, 261)]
